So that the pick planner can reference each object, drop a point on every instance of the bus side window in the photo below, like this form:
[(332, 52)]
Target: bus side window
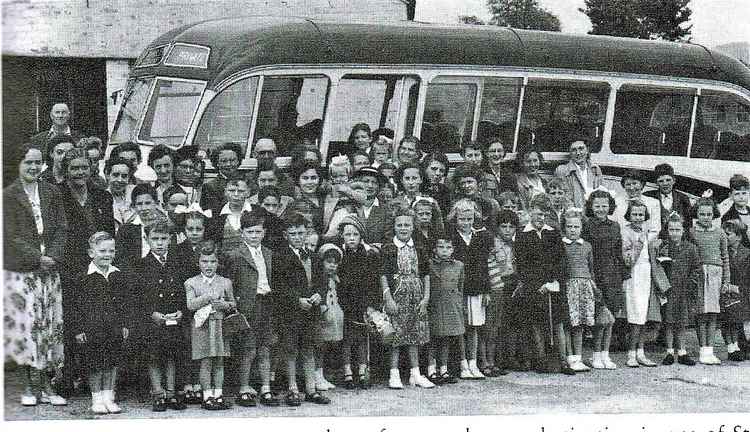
[(291, 111), (499, 108), (722, 127), (227, 118), (448, 115), (557, 111), (652, 120)]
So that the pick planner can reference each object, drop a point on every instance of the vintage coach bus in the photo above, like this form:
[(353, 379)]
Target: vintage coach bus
[(639, 102)]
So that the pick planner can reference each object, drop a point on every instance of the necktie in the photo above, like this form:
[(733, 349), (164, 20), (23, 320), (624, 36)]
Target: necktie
[(303, 254), (162, 260)]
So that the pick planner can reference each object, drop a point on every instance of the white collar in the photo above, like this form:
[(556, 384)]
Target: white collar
[(399, 244), (68, 131), (530, 227), (94, 269), (569, 241), (157, 256), (206, 280), (375, 203), (136, 220), (246, 207)]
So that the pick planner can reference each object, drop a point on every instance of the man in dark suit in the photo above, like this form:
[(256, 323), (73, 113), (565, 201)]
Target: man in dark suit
[(60, 116), (670, 199), (295, 272)]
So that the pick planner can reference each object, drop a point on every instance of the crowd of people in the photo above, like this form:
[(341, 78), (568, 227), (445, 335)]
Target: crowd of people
[(333, 271)]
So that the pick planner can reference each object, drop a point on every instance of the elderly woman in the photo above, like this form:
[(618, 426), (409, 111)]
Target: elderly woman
[(580, 174), (528, 180), (633, 182), (34, 233)]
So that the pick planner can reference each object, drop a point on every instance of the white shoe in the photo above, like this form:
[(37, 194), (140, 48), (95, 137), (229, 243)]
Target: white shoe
[(475, 372), (596, 361), (28, 400), (579, 366), (420, 380), (712, 358), (645, 361), (109, 402), (97, 404), (394, 381), (321, 383), (52, 399), (632, 361), (608, 363), (466, 374)]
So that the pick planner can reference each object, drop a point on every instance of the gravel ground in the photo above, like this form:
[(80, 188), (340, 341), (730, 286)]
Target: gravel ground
[(673, 389)]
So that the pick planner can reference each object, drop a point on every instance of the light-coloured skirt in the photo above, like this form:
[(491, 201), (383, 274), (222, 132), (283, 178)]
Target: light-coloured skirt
[(581, 301), (711, 288), (475, 313)]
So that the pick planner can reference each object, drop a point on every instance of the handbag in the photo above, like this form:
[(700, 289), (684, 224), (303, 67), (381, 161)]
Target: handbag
[(732, 309), (233, 323), (379, 324)]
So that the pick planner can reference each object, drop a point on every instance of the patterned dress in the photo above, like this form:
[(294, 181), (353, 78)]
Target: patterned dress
[(411, 328)]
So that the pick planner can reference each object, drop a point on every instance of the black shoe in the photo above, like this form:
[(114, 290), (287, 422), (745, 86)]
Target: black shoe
[(210, 404), (175, 403), (222, 404), (567, 370), (293, 399), (685, 360), (198, 397), (246, 400), (317, 398), (349, 382), (435, 378), (268, 399), (668, 360), (736, 356), (159, 405), (362, 382)]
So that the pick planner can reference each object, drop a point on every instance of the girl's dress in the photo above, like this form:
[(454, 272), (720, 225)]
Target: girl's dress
[(207, 339), (501, 269), (331, 323), (446, 298), (406, 270), (713, 249), (579, 283), (641, 303), (606, 247), (686, 277)]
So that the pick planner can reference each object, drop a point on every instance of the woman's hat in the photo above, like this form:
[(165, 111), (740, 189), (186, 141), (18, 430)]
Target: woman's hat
[(329, 246), (355, 221)]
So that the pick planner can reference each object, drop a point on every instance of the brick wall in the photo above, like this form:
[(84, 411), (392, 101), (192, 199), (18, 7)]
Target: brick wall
[(121, 29)]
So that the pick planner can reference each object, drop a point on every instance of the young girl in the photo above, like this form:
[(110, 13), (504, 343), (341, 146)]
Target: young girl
[(641, 305), (429, 221), (606, 247), (380, 151), (189, 251), (685, 275), (359, 138), (331, 323), (503, 281), (739, 262), (579, 285), (210, 297), (714, 254), (405, 282), (446, 310), (99, 323), (472, 247)]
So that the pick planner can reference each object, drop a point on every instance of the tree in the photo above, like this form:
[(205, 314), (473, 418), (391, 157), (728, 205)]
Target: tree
[(643, 19), (470, 19), (522, 14)]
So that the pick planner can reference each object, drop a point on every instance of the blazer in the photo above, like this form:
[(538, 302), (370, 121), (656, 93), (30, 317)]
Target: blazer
[(128, 245), (289, 281), (474, 257), (159, 289), (21, 241), (81, 228), (539, 261), (376, 225), (241, 270), (569, 173), (101, 307), (680, 203)]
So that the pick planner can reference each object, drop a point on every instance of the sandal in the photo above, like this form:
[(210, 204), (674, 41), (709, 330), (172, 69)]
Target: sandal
[(435, 378), (210, 404), (268, 399), (246, 399), (488, 371), (175, 403), (293, 399), (222, 404), (349, 382), (447, 378), (317, 398)]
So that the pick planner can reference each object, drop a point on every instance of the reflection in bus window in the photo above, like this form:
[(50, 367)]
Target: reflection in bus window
[(372, 99), (170, 111), (499, 108), (133, 103), (227, 118), (557, 111), (652, 120), (722, 127), (291, 111), (448, 115)]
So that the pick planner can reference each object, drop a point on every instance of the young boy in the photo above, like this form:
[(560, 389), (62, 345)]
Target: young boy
[(298, 307), (249, 267), (539, 257), (503, 281), (739, 186), (224, 229), (738, 325), (446, 310), (131, 237), (163, 305)]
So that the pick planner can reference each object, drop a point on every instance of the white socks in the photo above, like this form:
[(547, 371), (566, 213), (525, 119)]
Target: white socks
[(681, 352), (431, 370), (443, 370), (733, 347), (670, 351)]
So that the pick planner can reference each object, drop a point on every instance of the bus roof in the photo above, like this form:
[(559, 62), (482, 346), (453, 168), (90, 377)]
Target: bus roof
[(245, 42)]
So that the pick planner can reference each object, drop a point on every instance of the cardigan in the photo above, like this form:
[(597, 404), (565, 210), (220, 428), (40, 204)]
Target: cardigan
[(359, 284), (569, 174), (713, 249), (474, 257), (21, 241)]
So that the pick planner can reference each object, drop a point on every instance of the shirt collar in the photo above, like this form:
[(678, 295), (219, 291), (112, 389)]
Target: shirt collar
[(157, 256), (94, 269), (136, 220), (569, 241), (700, 228), (246, 207), (530, 227), (375, 203), (52, 132), (206, 280), (399, 244)]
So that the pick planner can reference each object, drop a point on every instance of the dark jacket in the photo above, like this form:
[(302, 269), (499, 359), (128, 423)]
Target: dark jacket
[(474, 257), (160, 289), (289, 281), (359, 287), (83, 223), (539, 261), (212, 194), (21, 240), (241, 270), (731, 214), (128, 246), (101, 307), (680, 204)]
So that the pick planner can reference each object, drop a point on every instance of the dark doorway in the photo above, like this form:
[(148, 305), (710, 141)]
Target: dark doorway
[(32, 85)]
